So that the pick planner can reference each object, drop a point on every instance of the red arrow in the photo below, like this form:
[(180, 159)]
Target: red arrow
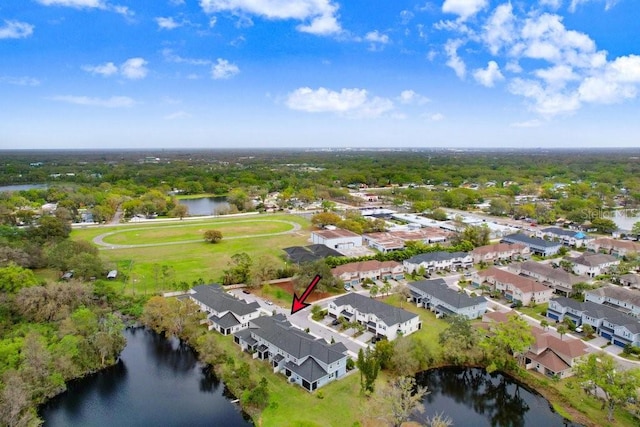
[(298, 303)]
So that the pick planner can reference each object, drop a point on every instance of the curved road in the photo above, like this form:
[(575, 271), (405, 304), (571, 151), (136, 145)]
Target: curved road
[(99, 240)]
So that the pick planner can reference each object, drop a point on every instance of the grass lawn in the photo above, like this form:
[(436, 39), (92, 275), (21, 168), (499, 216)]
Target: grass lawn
[(431, 327), (188, 231), (535, 312), (155, 269)]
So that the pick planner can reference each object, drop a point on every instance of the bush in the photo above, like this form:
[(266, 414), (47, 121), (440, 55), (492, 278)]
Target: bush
[(350, 364)]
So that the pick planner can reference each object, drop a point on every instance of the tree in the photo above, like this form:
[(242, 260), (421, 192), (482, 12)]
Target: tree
[(544, 323), (179, 211), (263, 270), (397, 400), (86, 265), (562, 329), (212, 236), (499, 207), (50, 228), (459, 340), (384, 353), (309, 270), (374, 290), (13, 278), (604, 225), (369, 367), (477, 235), (635, 230), (588, 330), (601, 376), (508, 340), (239, 272), (325, 218), (386, 287)]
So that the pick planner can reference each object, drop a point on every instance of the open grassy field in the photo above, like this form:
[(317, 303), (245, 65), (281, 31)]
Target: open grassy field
[(186, 232), (153, 269)]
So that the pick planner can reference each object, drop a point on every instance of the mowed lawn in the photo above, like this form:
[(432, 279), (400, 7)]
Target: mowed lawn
[(188, 232), (156, 268)]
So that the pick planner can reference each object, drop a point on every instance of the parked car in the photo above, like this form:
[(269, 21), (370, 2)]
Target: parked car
[(245, 291)]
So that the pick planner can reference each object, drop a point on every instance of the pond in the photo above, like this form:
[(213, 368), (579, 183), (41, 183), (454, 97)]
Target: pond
[(22, 187), (158, 382), (472, 397), (206, 205)]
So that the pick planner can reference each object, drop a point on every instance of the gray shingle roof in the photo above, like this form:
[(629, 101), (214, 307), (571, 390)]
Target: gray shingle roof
[(226, 321), (564, 232), (217, 299), (622, 294), (530, 241), (550, 273), (438, 288), (599, 311), (389, 314), (310, 370), (592, 260), (299, 344)]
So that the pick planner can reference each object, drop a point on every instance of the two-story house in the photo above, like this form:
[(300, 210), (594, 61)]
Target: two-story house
[(381, 319), (355, 272), (617, 248), (536, 246), (438, 261), (515, 287), (592, 265), (500, 252), (561, 281), (436, 296), (307, 361), (225, 313), (623, 299), (574, 238)]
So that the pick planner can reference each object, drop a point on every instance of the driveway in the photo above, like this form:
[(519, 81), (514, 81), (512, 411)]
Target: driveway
[(599, 342), (365, 337)]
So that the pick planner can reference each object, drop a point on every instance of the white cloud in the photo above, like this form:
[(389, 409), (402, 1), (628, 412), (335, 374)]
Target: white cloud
[(608, 4), (543, 101), (134, 68), (223, 69), (319, 16), (534, 123), (113, 102), (514, 67), (464, 8), (15, 30), (89, 4), (20, 81), (170, 56), (455, 62), (177, 115), (411, 97), (212, 21), (348, 102), (552, 4), (557, 76), (176, 2), (499, 29), (436, 117), (406, 16), (106, 70), (376, 37), (488, 76), (168, 23)]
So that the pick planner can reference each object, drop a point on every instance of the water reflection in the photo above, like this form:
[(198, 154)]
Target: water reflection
[(470, 396)]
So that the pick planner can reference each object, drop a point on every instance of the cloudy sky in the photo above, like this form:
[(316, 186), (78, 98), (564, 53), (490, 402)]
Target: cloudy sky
[(318, 73)]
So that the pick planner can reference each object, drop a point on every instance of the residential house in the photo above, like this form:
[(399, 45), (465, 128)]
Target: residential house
[(336, 239), (307, 361), (500, 252), (355, 272), (558, 279), (436, 296), (548, 354), (381, 319), (617, 327), (623, 299), (537, 246), (573, 238), (438, 261), (389, 241), (630, 279), (515, 287), (592, 265), (617, 248), (311, 253), (225, 313)]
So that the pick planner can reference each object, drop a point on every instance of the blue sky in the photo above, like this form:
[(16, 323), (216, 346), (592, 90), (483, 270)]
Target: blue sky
[(318, 73)]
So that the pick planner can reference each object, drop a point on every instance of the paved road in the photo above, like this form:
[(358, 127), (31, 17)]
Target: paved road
[(99, 240)]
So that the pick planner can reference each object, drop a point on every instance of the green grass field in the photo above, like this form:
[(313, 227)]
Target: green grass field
[(155, 269)]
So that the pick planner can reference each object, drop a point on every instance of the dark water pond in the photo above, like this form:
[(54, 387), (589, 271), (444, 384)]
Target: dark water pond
[(158, 382), (206, 205), (471, 397)]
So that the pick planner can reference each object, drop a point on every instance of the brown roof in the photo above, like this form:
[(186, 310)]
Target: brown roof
[(621, 294), (498, 247), (404, 235), (520, 282), (592, 260), (566, 346), (551, 273), (499, 316), (364, 266), (549, 360), (619, 244), (335, 234)]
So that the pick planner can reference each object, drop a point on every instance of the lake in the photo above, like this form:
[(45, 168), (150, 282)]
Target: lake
[(206, 205), (158, 382), (22, 187), (471, 397)]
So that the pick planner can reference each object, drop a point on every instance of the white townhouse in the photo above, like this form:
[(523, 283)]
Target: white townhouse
[(626, 300), (381, 319), (436, 296), (556, 278), (305, 360), (336, 238), (576, 239), (515, 287), (592, 265), (354, 273), (500, 252), (225, 313), (537, 246), (388, 241), (617, 248), (438, 261)]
